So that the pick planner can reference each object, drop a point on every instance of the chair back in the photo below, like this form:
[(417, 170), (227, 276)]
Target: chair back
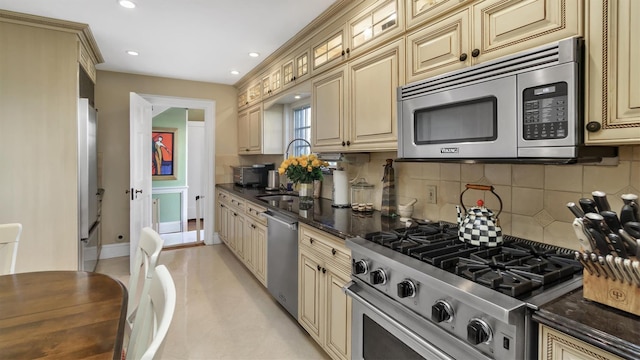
[(9, 237), (154, 316), (146, 255)]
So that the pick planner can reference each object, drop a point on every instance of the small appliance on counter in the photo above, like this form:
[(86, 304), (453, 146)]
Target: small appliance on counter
[(340, 193), (273, 181), (252, 176)]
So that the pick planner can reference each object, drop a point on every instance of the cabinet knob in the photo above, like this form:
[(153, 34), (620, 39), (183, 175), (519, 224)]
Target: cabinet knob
[(463, 57), (324, 270), (294, 78), (311, 240), (318, 267), (593, 126), (348, 143), (343, 52), (475, 52), (333, 251), (348, 51), (343, 143)]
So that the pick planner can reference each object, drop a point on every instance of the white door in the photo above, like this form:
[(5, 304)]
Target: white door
[(140, 146), (195, 167)]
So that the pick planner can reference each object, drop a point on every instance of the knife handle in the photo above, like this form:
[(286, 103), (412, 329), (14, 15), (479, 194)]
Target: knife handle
[(600, 198), (623, 270), (630, 242), (615, 244), (578, 228), (588, 205), (629, 267), (611, 218), (575, 210)]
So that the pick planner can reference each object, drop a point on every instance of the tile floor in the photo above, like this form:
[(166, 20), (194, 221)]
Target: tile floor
[(222, 311)]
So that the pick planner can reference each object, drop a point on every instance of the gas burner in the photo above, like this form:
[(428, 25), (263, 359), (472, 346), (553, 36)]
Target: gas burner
[(381, 237)]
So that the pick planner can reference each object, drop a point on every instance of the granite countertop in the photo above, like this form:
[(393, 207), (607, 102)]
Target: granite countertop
[(341, 222), (610, 329)]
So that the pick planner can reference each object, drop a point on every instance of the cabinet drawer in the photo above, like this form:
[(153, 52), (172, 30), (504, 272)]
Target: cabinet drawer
[(325, 245), (223, 197), (237, 203), (254, 211)]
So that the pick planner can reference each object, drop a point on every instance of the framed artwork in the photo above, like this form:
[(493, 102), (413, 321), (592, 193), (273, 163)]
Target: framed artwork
[(163, 158)]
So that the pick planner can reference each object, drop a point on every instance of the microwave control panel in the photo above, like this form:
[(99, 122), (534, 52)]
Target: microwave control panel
[(545, 112)]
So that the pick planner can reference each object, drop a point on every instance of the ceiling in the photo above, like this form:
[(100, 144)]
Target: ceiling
[(200, 40)]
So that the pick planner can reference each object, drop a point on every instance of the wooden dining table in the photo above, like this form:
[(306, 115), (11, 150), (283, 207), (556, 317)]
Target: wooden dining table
[(61, 315)]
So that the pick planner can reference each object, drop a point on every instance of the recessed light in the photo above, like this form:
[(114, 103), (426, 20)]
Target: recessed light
[(297, 97), (132, 53), (127, 4), (235, 72), (254, 54)]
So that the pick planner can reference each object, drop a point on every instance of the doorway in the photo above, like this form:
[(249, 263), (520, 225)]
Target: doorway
[(208, 178)]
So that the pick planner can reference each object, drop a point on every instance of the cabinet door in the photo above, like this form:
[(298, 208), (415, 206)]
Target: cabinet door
[(231, 229), (259, 252), (255, 130), (419, 11), (555, 345), (338, 315), (302, 65), (288, 72), (329, 50), (613, 98), (309, 295), (239, 235), (223, 223), (504, 27), (375, 24), (328, 109), (374, 79), (439, 47), (249, 234), (243, 130)]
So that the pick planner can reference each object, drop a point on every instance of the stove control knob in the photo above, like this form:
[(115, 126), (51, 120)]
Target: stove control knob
[(360, 267), (441, 311), (378, 276), (478, 331), (406, 288)]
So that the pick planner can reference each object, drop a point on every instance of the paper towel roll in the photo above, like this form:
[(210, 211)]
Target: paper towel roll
[(340, 188)]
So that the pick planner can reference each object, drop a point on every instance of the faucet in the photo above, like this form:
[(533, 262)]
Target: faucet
[(286, 153)]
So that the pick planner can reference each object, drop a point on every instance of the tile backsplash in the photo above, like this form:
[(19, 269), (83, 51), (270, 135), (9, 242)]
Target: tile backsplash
[(534, 197)]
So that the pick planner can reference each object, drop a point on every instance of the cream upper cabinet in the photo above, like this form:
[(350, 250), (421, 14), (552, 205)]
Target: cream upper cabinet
[(420, 11), (250, 94), (381, 21), (250, 131), (296, 68), (555, 345), (613, 94), (487, 30), (243, 101), (364, 117), (330, 49), (272, 82)]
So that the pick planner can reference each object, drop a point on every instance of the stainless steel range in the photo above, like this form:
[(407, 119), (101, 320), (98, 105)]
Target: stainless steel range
[(421, 293)]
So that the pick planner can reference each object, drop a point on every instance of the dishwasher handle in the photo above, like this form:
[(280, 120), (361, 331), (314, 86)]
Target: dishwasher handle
[(292, 224)]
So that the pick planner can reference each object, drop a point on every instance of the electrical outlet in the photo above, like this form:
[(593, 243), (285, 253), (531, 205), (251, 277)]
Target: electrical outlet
[(432, 196)]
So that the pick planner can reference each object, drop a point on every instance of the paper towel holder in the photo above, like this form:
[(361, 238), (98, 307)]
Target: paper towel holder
[(340, 191)]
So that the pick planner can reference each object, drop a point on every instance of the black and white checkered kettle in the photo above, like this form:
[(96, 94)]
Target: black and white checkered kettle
[(479, 226)]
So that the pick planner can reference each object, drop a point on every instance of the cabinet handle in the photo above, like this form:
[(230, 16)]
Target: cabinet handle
[(475, 52), (294, 78), (234, 214), (463, 57), (593, 126), (342, 52), (253, 226), (348, 51), (348, 143), (311, 240), (343, 143), (333, 251), (318, 267), (324, 271)]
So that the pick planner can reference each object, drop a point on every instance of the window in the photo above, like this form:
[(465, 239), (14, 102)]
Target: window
[(301, 130)]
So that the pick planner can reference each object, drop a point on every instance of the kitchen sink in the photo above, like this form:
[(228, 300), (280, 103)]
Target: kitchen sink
[(278, 197)]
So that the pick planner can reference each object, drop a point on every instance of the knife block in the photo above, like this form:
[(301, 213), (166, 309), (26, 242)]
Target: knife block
[(612, 293)]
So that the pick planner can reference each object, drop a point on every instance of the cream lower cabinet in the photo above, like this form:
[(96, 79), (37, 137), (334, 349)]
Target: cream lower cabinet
[(613, 94), (324, 310), (555, 345), (255, 242), (354, 107), (486, 30)]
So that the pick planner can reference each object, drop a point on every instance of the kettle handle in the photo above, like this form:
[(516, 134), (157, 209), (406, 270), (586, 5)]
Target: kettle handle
[(482, 188)]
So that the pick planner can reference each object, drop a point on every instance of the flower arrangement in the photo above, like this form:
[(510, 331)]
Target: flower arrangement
[(303, 168)]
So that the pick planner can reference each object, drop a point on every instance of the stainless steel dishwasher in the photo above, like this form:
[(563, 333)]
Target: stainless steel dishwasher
[(282, 259)]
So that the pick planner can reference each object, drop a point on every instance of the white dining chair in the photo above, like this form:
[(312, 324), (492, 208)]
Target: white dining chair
[(154, 316), (146, 259), (9, 237)]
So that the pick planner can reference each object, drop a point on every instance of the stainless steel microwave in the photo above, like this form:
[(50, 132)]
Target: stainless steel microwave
[(525, 107)]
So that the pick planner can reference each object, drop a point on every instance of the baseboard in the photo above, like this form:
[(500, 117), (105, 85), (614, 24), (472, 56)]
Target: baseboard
[(169, 227), (114, 250)]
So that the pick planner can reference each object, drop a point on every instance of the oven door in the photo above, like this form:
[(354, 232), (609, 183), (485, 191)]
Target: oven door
[(471, 121), (381, 329)]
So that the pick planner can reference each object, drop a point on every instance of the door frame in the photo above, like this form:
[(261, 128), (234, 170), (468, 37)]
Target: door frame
[(209, 107)]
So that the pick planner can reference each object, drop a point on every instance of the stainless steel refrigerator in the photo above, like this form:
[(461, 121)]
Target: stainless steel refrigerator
[(88, 197)]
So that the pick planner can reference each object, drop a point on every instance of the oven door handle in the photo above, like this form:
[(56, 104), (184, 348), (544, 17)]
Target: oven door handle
[(392, 321)]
